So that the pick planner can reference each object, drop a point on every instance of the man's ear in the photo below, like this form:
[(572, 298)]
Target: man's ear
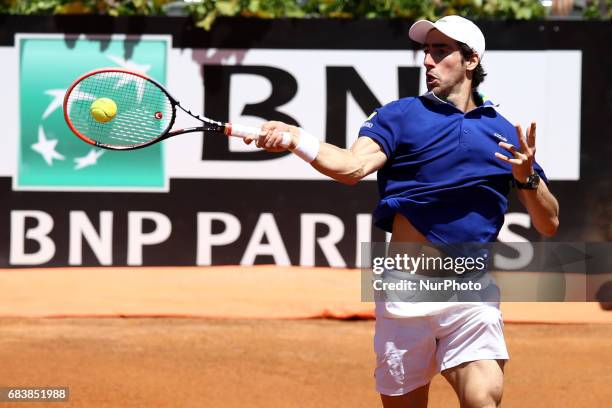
[(472, 62)]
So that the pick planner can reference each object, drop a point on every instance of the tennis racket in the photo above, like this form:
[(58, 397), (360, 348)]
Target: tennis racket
[(143, 112)]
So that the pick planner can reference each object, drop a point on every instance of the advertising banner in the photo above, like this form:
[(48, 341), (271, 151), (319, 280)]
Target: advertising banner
[(203, 199)]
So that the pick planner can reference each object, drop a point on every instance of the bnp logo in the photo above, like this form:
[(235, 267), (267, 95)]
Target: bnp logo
[(50, 156)]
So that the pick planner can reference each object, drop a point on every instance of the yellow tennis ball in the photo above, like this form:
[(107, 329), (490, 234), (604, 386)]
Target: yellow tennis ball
[(103, 109)]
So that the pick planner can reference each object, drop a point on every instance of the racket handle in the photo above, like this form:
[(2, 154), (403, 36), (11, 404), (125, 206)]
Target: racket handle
[(233, 129)]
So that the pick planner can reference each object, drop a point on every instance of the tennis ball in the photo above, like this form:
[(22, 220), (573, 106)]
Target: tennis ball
[(103, 109)]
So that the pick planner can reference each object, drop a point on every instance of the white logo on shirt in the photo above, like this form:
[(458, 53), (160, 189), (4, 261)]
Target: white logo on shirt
[(500, 137)]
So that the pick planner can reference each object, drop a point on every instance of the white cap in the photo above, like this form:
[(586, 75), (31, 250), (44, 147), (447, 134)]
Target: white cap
[(456, 27)]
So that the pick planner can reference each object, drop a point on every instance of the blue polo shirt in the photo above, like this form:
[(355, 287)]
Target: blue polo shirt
[(441, 171)]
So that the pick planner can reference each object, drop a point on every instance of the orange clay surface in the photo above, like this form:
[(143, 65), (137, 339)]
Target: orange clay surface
[(227, 292), (255, 342), (162, 362)]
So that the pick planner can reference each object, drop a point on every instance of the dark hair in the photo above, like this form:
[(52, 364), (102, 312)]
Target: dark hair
[(479, 73)]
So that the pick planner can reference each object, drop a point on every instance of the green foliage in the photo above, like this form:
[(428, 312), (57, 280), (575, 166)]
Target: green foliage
[(592, 9), (371, 8), (110, 7), (206, 11), (32, 7)]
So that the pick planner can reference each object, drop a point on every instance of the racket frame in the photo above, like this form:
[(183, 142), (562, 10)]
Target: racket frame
[(212, 126)]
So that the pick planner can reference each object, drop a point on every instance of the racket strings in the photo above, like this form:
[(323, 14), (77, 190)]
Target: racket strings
[(144, 112)]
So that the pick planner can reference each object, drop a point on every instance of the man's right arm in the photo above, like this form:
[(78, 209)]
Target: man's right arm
[(347, 166), (350, 165)]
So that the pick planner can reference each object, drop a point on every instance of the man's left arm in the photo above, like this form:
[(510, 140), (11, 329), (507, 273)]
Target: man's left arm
[(543, 209), (540, 203)]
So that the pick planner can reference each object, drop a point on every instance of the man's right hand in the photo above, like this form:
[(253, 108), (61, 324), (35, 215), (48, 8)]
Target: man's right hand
[(271, 136)]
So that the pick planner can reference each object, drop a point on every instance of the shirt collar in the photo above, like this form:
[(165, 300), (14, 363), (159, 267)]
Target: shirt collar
[(435, 99)]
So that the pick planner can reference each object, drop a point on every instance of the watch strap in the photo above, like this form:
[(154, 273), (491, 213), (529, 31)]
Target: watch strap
[(533, 181)]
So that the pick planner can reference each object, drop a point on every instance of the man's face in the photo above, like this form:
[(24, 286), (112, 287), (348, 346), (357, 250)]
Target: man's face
[(445, 67)]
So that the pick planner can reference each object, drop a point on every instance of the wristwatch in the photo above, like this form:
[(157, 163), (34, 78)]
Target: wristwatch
[(533, 181)]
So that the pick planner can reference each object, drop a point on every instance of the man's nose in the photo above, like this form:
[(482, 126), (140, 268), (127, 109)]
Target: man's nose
[(429, 61)]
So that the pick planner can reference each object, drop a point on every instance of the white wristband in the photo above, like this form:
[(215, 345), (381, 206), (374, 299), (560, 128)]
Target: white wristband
[(307, 147)]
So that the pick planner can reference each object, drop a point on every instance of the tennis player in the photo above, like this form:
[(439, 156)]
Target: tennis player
[(446, 161)]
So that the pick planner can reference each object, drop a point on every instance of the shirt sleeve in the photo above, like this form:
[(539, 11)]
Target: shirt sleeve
[(378, 127)]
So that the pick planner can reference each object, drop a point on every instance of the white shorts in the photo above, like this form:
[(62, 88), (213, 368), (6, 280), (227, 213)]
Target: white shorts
[(411, 350)]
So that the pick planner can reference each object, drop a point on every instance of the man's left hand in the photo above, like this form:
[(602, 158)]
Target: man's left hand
[(522, 160)]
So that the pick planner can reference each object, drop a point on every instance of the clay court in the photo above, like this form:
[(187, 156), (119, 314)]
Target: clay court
[(165, 362), (277, 347)]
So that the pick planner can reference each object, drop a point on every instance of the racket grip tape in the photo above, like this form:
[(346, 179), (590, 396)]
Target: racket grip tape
[(233, 129)]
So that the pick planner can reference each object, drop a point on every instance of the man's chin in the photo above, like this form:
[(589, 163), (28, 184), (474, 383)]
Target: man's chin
[(438, 91), (435, 89)]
